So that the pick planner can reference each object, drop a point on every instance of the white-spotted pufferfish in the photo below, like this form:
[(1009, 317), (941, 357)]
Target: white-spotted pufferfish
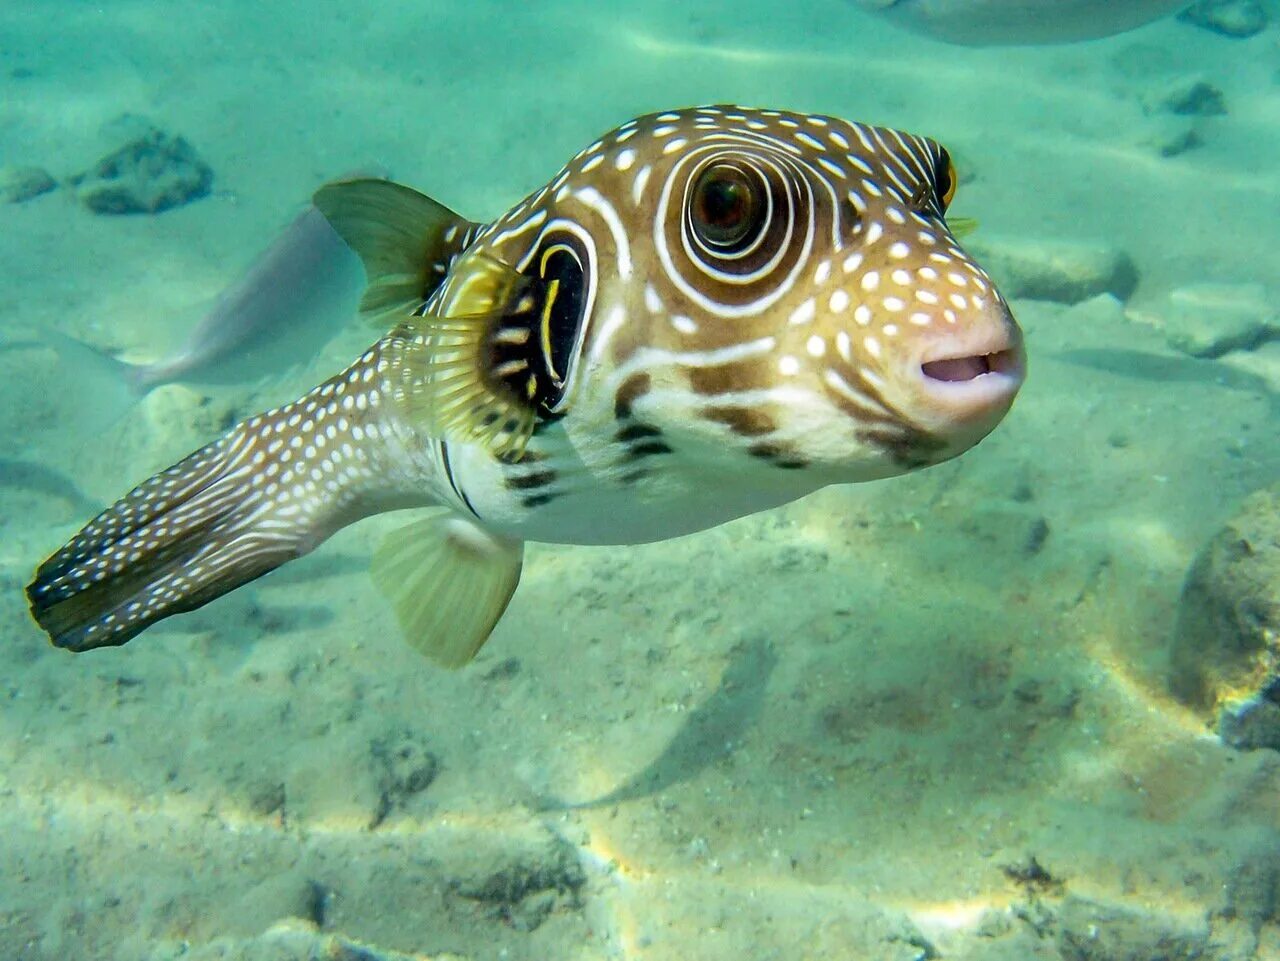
[(707, 313)]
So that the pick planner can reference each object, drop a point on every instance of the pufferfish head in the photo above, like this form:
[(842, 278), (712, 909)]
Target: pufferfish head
[(776, 289)]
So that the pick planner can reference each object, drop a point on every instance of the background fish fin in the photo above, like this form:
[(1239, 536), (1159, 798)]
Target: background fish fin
[(101, 387), (404, 238), (448, 582)]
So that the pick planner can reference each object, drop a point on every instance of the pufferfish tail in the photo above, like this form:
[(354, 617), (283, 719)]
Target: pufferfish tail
[(246, 504), (268, 491)]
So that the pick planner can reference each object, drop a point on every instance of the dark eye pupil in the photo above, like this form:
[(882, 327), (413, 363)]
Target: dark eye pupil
[(724, 204), (726, 207)]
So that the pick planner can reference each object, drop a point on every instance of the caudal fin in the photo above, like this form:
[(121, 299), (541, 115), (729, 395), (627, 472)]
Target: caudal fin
[(267, 492), (177, 541)]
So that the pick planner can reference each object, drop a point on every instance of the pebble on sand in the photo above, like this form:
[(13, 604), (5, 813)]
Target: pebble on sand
[(1225, 653), (1209, 320), (18, 184), (1067, 272), (1188, 97), (1231, 18)]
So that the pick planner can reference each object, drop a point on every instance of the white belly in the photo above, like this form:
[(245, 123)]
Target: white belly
[(599, 511)]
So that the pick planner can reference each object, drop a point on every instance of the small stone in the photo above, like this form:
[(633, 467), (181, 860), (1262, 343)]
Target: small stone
[(1230, 18), (1250, 725), (20, 184), (153, 171), (801, 559), (1226, 638), (1093, 931), (1171, 136), (1007, 528), (1209, 320), (993, 924), (1034, 876), (504, 669), (1057, 270), (1253, 884), (1037, 534), (407, 770), (522, 885), (1189, 97), (266, 799), (318, 902)]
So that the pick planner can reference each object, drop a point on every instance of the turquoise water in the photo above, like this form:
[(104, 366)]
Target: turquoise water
[(851, 727)]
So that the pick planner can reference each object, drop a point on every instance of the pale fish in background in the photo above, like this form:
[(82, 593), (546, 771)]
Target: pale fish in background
[(706, 313), (293, 298), (983, 22), (302, 286)]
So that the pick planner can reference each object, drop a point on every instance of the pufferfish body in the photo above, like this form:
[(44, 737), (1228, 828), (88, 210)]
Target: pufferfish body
[(706, 313)]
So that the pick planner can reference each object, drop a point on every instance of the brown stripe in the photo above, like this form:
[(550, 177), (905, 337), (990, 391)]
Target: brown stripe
[(747, 421), (727, 378)]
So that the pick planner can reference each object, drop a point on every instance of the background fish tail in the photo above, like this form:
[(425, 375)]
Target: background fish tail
[(102, 387), (265, 493)]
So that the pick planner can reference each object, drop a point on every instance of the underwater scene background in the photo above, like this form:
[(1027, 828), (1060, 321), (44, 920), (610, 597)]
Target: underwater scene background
[(978, 712)]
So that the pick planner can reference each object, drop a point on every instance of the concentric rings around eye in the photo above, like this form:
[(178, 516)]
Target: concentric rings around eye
[(734, 223), (728, 207)]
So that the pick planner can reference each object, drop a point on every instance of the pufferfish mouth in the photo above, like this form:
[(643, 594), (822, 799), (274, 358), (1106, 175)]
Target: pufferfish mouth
[(972, 366), (966, 381)]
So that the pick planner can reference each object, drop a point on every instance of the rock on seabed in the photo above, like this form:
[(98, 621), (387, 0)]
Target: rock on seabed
[(152, 172)]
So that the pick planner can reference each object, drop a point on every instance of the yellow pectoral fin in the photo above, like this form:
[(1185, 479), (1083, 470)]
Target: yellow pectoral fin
[(403, 237), (448, 581), (453, 383), (962, 227)]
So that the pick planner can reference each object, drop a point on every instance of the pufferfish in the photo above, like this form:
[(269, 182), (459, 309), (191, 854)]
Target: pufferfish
[(706, 313)]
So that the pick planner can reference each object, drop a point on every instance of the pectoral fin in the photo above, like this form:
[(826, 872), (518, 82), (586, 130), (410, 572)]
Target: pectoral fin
[(465, 364), (448, 581)]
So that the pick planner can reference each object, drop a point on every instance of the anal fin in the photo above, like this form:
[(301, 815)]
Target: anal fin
[(448, 581)]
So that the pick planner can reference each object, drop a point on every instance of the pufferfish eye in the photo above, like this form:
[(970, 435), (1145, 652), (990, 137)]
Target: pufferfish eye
[(727, 207), (946, 179)]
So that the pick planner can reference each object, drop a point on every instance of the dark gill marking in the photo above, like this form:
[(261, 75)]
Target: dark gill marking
[(647, 449), (537, 500), (637, 432), (778, 455), (526, 481), (634, 387)]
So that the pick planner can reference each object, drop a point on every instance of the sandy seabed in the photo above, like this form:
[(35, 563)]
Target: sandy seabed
[(919, 718)]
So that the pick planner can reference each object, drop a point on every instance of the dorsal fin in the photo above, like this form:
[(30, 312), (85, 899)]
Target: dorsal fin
[(404, 238)]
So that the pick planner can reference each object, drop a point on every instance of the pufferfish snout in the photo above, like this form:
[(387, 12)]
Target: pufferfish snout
[(705, 313)]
